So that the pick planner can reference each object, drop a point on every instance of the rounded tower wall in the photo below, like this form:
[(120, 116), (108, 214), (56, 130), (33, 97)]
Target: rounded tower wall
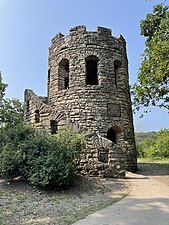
[(78, 46), (99, 103)]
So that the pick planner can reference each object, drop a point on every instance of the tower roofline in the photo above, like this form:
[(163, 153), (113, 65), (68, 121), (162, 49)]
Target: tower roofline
[(81, 29)]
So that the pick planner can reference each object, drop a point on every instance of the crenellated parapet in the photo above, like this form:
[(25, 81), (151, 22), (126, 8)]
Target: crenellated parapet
[(102, 38)]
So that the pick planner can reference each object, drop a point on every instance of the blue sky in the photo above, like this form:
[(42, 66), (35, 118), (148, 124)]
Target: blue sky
[(27, 27)]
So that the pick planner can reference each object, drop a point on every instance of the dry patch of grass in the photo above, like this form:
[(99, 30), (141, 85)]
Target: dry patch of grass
[(21, 203)]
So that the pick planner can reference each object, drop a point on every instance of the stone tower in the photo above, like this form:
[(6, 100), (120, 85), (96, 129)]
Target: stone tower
[(88, 87)]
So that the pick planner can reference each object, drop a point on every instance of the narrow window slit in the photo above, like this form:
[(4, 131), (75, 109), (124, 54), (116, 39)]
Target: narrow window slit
[(117, 65), (37, 116), (63, 78), (91, 70), (53, 126)]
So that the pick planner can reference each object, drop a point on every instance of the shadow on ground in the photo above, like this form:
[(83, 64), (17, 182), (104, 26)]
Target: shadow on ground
[(153, 169), (146, 211), (158, 171)]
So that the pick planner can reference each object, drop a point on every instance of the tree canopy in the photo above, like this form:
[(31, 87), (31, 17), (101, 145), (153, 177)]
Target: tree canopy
[(153, 144), (152, 86), (11, 110)]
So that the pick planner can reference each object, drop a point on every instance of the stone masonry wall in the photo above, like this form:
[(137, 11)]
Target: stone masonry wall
[(94, 108), (46, 112)]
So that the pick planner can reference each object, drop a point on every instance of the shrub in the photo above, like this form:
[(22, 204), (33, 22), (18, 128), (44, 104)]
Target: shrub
[(140, 149), (44, 159), (9, 161), (12, 157), (70, 140), (51, 159)]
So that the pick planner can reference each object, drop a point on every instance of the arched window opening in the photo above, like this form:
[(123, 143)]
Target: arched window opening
[(63, 76), (117, 65), (91, 70), (37, 116), (53, 126), (111, 135)]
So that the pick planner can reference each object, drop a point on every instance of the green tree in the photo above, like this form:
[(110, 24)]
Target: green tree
[(162, 144), (11, 110), (153, 145), (152, 86)]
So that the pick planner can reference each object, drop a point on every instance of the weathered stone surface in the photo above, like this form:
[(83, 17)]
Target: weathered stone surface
[(88, 87)]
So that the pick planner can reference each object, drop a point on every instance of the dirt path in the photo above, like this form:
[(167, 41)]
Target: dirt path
[(147, 203), (155, 171)]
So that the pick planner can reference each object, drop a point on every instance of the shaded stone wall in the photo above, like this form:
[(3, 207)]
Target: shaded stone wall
[(32, 103), (94, 108)]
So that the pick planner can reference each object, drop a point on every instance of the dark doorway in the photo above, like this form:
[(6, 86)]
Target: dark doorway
[(111, 135)]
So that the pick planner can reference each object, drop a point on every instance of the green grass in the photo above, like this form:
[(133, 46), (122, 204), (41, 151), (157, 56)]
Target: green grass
[(152, 160)]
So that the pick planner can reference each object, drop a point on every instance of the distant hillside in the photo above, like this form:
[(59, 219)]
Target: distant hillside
[(140, 136)]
